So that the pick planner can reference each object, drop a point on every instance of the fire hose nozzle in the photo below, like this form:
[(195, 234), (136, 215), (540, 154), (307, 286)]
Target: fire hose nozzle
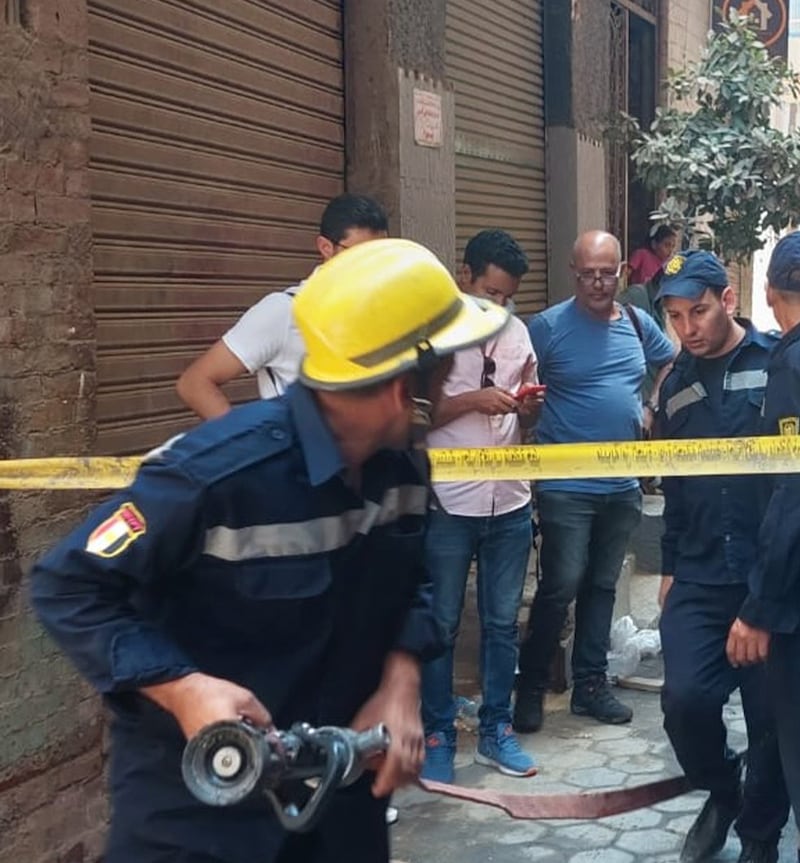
[(227, 761)]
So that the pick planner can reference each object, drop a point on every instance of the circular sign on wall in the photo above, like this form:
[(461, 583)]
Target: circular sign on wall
[(770, 17)]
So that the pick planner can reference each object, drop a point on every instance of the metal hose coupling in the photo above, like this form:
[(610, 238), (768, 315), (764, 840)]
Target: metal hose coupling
[(297, 770)]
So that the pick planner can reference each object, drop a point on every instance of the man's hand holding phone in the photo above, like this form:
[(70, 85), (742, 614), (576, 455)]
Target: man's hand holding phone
[(527, 390), (530, 398)]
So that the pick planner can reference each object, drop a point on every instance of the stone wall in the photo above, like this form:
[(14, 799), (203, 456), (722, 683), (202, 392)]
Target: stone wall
[(51, 760), (687, 26)]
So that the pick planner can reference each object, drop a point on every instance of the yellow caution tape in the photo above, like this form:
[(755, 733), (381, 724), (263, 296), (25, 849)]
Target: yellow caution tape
[(621, 459), (68, 473), (711, 456)]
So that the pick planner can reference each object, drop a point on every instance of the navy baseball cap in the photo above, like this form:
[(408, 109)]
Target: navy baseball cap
[(783, 271), (690, 274)]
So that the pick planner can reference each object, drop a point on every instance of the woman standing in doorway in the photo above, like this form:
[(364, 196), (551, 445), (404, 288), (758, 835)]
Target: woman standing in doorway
[(646, 261)]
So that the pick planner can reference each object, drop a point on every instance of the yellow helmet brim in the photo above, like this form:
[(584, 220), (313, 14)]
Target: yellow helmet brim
[(368, 313), (473, 323)]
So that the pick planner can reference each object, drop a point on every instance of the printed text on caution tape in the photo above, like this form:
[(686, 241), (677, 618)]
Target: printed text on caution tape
[(558, 461)]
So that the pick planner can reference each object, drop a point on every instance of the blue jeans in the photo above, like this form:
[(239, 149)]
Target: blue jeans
[(502, 545), (584, 539)]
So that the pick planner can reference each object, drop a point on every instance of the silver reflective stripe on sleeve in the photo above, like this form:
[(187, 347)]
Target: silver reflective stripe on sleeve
[(317, 535), (685, 397), (754, 379), (156, 453)]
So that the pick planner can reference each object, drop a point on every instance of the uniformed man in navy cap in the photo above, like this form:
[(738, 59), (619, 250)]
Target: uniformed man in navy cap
[(715, 389), (768, 625)]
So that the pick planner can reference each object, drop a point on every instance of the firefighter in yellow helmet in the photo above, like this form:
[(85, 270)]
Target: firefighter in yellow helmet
[(267, 565)]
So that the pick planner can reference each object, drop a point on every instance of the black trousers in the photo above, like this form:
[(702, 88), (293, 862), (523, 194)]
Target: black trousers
[(698, 680), (783, 671)]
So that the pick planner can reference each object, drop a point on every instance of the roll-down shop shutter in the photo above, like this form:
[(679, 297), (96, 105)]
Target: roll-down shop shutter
[(217, 137), (495, 61)]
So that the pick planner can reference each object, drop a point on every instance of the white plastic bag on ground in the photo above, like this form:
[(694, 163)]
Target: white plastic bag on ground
[(628, 646), (648, 641)]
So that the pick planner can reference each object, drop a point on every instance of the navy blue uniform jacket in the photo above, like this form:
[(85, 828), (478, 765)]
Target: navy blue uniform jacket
[(774, 601), (711, 522), (238, 551)]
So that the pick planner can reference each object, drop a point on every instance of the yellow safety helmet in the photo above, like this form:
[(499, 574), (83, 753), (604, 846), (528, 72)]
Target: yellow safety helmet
[(368, 313)]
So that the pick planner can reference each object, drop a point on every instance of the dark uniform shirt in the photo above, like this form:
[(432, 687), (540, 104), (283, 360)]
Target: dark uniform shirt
[(774, 601), (238, 551), (711, 523)]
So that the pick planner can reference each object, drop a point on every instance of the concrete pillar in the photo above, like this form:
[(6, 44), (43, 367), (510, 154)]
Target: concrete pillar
[(576, 47), (400, 116)]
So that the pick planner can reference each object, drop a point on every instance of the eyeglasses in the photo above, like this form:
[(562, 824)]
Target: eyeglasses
[(489, 368), (608, 278)]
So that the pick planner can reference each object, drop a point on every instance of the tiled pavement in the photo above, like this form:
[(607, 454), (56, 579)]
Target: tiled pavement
[(574, 754)]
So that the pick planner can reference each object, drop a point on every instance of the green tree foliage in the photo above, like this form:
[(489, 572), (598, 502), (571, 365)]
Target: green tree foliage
[(714, 156)]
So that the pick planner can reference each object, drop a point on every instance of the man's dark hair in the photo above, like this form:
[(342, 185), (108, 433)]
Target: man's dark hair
[(660, 233), (495, 247), (352, 211)]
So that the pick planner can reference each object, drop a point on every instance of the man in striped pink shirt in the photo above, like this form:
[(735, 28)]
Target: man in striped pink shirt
[(485, 519)]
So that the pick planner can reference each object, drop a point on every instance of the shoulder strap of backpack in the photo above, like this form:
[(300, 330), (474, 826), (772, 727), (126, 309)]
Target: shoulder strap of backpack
[(637, 324)]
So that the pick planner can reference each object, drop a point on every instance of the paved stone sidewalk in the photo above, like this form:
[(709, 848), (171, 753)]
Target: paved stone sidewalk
[(574, 754)]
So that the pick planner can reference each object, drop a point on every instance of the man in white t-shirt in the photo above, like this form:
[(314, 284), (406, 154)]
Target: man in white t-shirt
[(265, 341)]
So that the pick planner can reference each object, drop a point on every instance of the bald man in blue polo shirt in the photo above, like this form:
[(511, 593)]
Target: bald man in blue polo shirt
[(592, 355)]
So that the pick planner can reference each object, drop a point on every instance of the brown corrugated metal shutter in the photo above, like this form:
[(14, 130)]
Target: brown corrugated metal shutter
[(494, 59), (217, 138)]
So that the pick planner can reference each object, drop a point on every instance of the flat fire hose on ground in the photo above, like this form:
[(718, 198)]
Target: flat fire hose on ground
[(582, 806), (706, 456), (229, 761)]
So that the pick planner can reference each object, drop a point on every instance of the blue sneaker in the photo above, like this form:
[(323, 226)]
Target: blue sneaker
[(440, 755), (502, 751)]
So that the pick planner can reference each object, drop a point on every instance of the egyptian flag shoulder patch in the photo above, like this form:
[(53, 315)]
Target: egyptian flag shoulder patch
[(117, 532)]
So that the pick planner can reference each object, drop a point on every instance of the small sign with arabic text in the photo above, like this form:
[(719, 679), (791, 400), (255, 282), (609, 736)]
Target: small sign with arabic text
[(427, 118)]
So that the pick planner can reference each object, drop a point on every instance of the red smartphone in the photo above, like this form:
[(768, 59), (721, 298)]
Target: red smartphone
[(530, 390)]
